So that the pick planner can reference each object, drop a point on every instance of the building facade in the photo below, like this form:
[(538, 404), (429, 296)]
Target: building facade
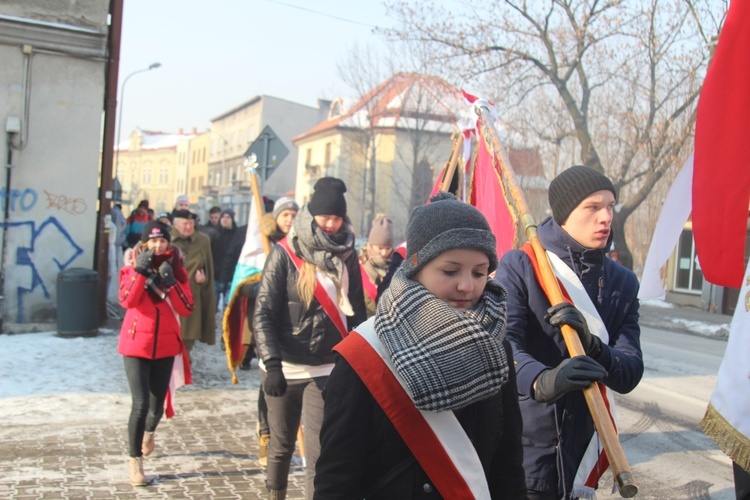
[(234, 131), (147, 167), (52, 77)]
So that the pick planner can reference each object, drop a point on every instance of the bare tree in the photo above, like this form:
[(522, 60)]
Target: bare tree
[(621, 78)]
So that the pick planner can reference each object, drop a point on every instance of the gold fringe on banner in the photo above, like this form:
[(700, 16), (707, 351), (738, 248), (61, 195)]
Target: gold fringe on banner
[(234, 326), (731, 441)]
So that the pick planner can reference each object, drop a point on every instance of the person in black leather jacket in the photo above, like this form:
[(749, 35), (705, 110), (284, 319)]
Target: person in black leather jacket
[(295, 333)]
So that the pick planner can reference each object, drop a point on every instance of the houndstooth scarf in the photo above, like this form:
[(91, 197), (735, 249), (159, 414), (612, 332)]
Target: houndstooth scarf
[(328, 253), (448, 358)]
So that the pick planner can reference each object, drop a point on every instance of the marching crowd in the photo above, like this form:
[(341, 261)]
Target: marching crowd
[(435, 368)]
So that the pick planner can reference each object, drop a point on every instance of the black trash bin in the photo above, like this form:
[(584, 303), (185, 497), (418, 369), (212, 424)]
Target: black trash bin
[(77, 303)]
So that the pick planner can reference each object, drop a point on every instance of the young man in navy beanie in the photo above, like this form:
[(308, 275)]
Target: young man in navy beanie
[(557, 425)]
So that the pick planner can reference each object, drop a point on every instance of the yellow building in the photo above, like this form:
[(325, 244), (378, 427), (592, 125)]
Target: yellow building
[(192, 167), (146, 166)]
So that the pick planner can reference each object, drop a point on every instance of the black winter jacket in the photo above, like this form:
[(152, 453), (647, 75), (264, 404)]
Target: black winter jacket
[(538, 346), (285, 328), (360, 445)]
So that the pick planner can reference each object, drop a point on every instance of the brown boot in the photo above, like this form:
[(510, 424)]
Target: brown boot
[(263, 441), (148, 443), (137, 477)]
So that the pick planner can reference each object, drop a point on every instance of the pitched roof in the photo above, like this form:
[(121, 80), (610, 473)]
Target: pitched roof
[(404, 101), (156, 140)]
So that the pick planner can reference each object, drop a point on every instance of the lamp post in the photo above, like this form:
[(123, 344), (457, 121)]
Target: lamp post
[(120, 105)]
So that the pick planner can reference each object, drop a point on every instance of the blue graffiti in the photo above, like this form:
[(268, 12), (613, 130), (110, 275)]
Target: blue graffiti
[(25, 200), (50, 241)]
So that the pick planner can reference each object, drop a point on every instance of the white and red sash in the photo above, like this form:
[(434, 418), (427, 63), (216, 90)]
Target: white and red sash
[(321, 295), (594, 462), (182, 373), (436, 439)]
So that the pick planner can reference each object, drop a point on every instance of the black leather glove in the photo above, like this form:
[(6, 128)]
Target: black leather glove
[(275, 381), (167, 275), (143, 262), (566, 313), (570, 375)]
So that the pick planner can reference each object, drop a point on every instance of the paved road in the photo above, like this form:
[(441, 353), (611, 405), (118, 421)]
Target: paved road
[(207, 451)]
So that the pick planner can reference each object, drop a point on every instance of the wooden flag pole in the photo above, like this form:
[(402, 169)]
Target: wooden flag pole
[(602, 420), (258, 201), (452, 163)]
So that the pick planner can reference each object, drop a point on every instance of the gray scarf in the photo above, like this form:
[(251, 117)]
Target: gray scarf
[(327, 253), (448, 358)]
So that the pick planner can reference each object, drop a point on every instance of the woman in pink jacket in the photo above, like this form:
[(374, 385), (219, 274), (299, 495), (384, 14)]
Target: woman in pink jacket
[(155, 290)]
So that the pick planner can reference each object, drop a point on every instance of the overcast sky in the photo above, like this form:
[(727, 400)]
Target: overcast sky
[(218, 54)]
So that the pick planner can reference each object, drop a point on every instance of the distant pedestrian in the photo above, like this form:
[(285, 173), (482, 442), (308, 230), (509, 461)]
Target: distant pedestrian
[(196, 246), (375, 258), (154, 291), (310, 296), (136, 222), (182, 202), (121, 224), (224, 233)]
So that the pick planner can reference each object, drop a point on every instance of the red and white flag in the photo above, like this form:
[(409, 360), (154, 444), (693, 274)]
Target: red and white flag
[(721, 180)]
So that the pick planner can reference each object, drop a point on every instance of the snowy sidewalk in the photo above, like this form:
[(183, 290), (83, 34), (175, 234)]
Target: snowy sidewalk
[(64, 405)]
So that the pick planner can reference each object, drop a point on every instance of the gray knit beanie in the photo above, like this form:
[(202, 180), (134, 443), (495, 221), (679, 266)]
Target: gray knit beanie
[(572, 186), (444, 224), (284, 203)]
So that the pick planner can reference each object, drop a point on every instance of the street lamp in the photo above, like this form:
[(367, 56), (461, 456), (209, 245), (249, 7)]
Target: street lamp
[(122, 97)]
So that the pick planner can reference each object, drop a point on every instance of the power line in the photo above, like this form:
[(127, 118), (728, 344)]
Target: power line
[(331, 16)]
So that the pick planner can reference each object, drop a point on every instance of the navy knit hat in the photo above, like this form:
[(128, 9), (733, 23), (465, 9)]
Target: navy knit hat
[(328, 197), (446, 223), (572, 186), (155, 229)]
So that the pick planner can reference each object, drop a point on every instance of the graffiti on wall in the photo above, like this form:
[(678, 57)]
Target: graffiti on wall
[(36, 250), (74, 206)]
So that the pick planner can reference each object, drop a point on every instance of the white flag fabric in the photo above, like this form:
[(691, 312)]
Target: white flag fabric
[(726, 420), (674, 214), (252, 257)]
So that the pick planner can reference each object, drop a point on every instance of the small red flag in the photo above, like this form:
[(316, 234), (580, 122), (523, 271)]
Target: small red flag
[(721, 178)]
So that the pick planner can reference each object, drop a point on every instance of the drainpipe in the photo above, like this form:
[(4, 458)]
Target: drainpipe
[(101, 245)]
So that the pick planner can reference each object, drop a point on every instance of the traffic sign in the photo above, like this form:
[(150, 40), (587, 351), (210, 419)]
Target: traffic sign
[(269, 150)]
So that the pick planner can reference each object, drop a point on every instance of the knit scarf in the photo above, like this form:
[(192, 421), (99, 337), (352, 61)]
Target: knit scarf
[(448, 358), (327, 253)]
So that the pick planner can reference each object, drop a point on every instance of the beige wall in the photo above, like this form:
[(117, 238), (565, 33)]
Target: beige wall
[(197, 168), (52, 188)]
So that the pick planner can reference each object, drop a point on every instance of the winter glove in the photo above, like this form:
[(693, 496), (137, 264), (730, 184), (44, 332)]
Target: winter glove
[(167, 275), (275, 382), (143, 262), (570, 375), (566, 313)]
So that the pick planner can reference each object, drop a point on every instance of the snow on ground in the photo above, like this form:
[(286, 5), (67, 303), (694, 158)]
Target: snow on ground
[(46, 378), (657, 302)]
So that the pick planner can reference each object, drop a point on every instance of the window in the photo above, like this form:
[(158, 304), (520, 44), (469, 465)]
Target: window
[(192, 184), (688, 275), (327, 161), (146, 174), (200, 182), (163, 175), (308, 158)]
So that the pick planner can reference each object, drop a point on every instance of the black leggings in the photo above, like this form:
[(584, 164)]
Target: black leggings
[(149, 383)]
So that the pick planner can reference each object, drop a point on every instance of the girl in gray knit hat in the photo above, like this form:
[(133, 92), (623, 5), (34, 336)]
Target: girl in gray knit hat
[(422, 398)]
